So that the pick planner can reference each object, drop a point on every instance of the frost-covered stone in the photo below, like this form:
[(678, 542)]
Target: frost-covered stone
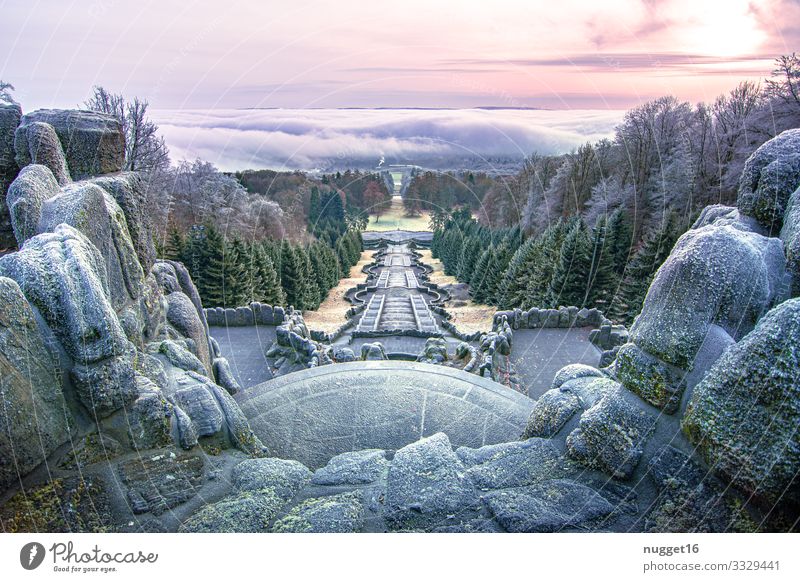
[(373, 351), (10, 114), (790, 235), (184, 317), (611, 435), (353, 468), (426, 484), (551, 506), (108, 385), (96, 214), (64, 276), (769, 177), (715, 275), (224, 375), (201, 406), (180, 357), (720, 215), (37, 143), (246, 512), (286, 478), (129, 191), (551, 412), (342, 513), (513, 464), (149, 417), (689, 499), (651, 379), (573, 371), (743, 416), (34, 418), (93, 142), (25, 197)]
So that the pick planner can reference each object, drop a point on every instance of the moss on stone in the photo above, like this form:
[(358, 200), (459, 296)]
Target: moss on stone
[(61, 505)]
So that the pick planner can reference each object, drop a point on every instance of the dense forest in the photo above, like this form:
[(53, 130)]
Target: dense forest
[(591, 227), (282, 238)]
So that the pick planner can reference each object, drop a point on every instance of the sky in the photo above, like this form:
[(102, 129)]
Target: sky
[(567, 54)]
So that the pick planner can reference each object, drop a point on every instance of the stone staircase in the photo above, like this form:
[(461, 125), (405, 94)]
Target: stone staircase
[(397, 313), (397, 304), (369, 318), (422, 313)]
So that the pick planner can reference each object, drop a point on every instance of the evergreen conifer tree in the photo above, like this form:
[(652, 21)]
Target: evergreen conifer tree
[(570, 281)]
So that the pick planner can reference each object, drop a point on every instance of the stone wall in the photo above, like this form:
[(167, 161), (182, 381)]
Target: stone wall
[(605, 334), (254, 314)]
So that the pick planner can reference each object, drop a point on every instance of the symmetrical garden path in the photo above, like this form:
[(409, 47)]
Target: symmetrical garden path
[(397, 304)]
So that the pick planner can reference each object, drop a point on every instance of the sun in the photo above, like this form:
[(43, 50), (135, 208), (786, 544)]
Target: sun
[(724, 28)]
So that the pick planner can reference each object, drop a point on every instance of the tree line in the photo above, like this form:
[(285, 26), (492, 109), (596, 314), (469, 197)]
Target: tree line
[(231, 272), (666, 155), (568, 264)]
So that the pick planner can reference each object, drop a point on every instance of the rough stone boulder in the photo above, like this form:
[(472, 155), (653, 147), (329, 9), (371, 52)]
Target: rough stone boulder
[(204, 409), (555, 505), (342, 513), (426, 484), (149, 417), (720, 215), (284, 477), (37, 143), (246, 512), (513, 464), (34, 418), (689, 499), (790, 235), (769, 177), (611, 435), (261, 488), (129, 191), (373, 351), (25, 198), (95, 213), (184, 318), (63, 275), (435, 351), (743, 416), (353, 468), (10, 114), (93, 142), (716, 274)]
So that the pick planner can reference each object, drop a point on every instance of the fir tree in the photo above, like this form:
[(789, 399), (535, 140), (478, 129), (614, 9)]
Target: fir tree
[(652, 253), (291, 275), (603, 277), (512, 284), (308, 291), (266, 287), (470, 253), (176, 245), (570, 282), (212, 271), (539, 274), (619, 239), (478, 275), (238, 283)]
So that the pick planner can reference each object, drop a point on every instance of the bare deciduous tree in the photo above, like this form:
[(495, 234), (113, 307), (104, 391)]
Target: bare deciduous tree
[(145, 150)]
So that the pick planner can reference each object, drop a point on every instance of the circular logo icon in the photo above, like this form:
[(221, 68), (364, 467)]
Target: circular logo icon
[(31, 555)]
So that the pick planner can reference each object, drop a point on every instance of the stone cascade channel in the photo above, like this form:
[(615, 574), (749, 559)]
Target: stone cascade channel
[(397, 302)]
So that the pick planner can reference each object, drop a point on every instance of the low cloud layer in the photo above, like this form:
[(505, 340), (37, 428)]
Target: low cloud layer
[(326, 139)]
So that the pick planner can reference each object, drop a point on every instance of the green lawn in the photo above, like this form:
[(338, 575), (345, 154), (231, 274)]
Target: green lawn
[(395, 219)]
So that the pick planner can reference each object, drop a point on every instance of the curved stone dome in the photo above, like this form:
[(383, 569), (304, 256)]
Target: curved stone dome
[(315, 414)]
